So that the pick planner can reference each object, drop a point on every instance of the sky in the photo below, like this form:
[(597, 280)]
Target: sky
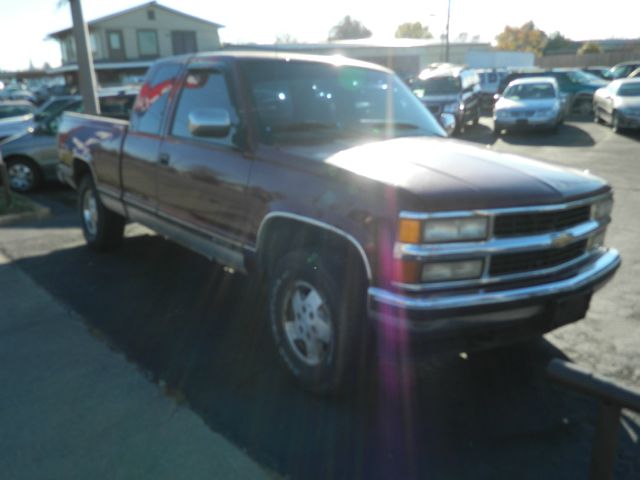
[(24, 24)]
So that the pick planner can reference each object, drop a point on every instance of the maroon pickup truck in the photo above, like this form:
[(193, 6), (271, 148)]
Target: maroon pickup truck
[(329, 179)]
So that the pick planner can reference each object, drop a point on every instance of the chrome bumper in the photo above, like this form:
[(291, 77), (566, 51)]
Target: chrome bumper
[(396, 308)]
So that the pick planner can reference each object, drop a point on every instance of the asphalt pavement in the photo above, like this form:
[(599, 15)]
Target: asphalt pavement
[(191, 338)]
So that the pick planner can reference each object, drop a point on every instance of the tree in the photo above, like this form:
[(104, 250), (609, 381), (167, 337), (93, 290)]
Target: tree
[(286, 38), (558, 42), (589, 47), (526, 38), (413, 30), (349, 29)]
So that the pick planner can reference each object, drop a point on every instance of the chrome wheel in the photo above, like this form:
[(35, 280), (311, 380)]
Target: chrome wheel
[(307, 323), (22, 178), (90, 211)]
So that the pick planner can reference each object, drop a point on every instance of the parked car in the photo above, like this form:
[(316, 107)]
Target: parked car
[(450, 89), (334, 183), (622, 70), (16, 108), (32, 155), (489, 82), (618, 104), (635, 73), (576, 86), (529, 103)]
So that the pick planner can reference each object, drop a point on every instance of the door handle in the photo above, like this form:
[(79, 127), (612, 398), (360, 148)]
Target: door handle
[(163, 159)]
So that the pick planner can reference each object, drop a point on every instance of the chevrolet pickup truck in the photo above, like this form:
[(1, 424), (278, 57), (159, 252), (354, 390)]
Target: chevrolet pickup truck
[(329, 179)]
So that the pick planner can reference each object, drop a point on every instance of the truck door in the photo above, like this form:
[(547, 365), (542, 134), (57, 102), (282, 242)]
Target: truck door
[(140, 152), (203, 180)]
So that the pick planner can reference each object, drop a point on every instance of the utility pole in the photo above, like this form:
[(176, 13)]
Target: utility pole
[(446, 50), (86, 73)]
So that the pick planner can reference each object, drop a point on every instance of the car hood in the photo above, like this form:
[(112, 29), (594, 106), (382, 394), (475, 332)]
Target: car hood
[(443, 174), (12, 125), (533, 104)]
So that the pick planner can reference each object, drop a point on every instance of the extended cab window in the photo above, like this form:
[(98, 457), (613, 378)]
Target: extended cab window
[(149, 108), (204, 89)]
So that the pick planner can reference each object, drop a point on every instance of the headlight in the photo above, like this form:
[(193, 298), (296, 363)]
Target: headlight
[(455, 229), (452, 107), (437, 230), (602, 209), (444, 271)]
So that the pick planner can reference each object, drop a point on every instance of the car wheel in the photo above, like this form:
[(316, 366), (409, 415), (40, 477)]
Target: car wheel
[(103, 229), (316, 311), (24, 174), (497, 130), (583, 107)]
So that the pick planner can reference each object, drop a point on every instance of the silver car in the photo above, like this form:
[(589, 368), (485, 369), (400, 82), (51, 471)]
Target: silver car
[(618, 104), (529, 103)]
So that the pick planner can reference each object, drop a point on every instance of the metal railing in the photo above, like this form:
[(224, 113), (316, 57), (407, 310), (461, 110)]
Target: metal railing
[(613, 398)]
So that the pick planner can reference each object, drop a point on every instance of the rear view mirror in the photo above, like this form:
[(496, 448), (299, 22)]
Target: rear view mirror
[(209, 122)]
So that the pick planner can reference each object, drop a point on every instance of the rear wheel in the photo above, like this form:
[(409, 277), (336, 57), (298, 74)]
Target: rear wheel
[(316, 315), (103, 229), (24, 174)]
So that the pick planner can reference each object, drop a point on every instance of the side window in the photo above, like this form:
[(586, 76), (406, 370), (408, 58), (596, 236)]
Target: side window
[(204, 89), (149, 107)]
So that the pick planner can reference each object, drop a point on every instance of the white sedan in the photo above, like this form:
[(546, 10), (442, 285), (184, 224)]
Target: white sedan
[(618, 104), (529, 103)]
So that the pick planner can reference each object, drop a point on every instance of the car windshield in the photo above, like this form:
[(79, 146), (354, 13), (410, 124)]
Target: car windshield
[(619, 72), (7, 111), (629, 90), (527, 91), (577, 76), (436, 86), (301, 99)]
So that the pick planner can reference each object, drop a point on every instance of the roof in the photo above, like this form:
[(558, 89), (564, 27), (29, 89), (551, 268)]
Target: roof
[(154, 4)]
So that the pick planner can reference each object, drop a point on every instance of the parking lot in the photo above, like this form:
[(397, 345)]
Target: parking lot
[(200, 333)]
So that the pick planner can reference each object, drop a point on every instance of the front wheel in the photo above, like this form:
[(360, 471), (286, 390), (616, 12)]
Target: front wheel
[(316, 315), (103, 229), (24, 174)]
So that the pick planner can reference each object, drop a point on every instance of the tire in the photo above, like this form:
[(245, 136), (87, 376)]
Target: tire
[(103, 229), (583, 107), (316, 317), (497, 130), (24, 174), (476, 117), (615, 122)]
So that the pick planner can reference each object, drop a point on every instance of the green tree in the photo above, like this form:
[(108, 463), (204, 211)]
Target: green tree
[(557, 42), (526, 38), (413, 30), (589, 47), (349, 29)]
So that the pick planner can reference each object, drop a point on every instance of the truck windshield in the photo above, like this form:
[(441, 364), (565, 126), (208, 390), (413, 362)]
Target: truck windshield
[(294, 99)]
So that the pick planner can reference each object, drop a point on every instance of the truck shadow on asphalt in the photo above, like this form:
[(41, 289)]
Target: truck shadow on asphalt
[(201, 333)]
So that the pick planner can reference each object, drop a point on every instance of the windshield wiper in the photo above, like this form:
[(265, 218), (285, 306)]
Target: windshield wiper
[(302, 127)]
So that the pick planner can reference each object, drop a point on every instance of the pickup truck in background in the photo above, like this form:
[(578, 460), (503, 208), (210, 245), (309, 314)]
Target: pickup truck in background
[(330, 179)]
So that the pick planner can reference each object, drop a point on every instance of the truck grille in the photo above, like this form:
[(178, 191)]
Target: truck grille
[(510, 263), (542, 222)]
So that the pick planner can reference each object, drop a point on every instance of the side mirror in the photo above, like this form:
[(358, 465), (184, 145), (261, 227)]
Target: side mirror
[(209, 122), (448, 122)]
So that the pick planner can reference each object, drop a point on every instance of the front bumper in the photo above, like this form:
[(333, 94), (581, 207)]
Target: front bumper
[(539, 307), (526, 123)]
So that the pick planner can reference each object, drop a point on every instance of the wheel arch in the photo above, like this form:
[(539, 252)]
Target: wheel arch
[(279, 229), (80, 168)]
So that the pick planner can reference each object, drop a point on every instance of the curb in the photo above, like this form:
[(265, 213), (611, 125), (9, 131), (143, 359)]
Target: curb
[(39, 213)]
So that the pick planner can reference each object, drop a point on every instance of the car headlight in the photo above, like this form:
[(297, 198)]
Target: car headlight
[(446, 271), (602, 209), (438, 230), (452, 107)]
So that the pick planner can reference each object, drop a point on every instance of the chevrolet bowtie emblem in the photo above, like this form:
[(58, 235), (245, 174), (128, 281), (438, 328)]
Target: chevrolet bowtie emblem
[(562, 240)]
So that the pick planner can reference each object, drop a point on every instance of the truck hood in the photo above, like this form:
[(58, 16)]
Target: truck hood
[(448, 175)]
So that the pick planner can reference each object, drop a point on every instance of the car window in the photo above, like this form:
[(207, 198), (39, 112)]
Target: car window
[(446, 85), (529, 91), (149, 107), (629, 90), (204, 89)]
